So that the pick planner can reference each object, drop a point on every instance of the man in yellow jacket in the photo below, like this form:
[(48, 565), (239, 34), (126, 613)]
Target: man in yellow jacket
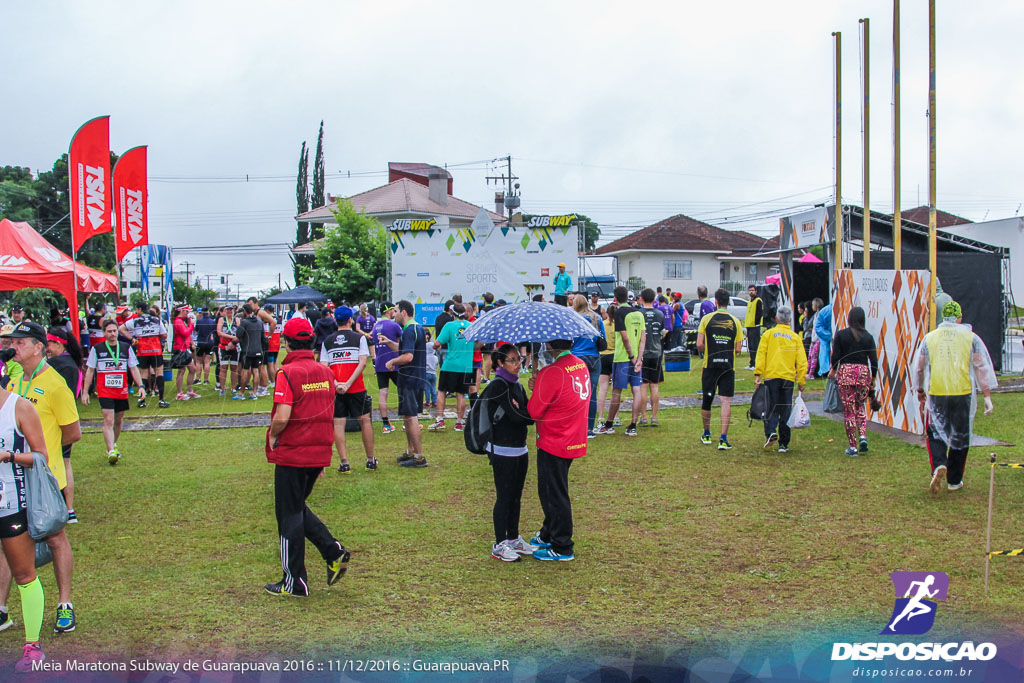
[(781, 362)]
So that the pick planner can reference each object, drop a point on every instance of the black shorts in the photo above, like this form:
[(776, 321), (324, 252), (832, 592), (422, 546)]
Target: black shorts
[(14, 525), (410, 398), (148, 362), (606, 364), (204, 350), (384, 377), (118, 405), (714, 381), (652, 371), (65, 451), (229, 357), (265, 345), (353, 405), (455, 382), (252, 362)]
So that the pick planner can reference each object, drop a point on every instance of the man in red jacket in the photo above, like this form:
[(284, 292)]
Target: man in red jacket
[(300, 443), (559, 403)]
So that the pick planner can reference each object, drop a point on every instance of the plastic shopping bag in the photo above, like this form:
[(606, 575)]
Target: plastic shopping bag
[(832, 403), (47, 512), (799, 416)]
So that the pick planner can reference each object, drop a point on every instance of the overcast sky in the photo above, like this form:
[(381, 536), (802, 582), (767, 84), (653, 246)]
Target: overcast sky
[(627, 112)]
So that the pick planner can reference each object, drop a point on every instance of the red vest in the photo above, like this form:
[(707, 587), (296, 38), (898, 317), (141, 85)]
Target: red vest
[(308, 440), (560, 403)]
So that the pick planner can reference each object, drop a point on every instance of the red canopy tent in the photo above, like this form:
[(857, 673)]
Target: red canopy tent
[(28, 260)]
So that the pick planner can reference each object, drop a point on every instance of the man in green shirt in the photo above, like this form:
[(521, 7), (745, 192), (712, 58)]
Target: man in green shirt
[(627, 361), (457, 375)]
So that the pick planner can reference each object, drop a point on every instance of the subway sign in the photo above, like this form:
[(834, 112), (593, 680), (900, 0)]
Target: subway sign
[(550, 221), (414, 224)]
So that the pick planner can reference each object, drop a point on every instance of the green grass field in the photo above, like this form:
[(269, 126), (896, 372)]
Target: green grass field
[(677, 544)]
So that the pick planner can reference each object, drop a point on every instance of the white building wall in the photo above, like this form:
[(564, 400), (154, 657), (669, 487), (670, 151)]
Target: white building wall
[(649, 265), (1008, 232)]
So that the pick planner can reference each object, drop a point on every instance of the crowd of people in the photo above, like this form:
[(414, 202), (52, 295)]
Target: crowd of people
[(313, 362)]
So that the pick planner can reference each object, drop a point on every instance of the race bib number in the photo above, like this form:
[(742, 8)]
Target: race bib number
[(113, 381)]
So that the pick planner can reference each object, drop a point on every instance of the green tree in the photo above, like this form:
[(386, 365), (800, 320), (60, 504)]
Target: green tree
[(17, 193), (301, 206), (193, 295), (317, 198), (351, 257)]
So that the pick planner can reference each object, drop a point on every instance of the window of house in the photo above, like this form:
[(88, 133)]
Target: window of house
[(752, 272), (678, 270)]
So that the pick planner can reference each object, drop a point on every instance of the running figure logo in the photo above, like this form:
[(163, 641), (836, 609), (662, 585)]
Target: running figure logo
[(914, 612)]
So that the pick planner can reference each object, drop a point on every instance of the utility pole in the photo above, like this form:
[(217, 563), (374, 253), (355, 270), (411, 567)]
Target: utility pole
[(227, 285), (839, 154), (279, 280), (238, 292), (866, 109), (506, 179), (188, 273), (208, 280)]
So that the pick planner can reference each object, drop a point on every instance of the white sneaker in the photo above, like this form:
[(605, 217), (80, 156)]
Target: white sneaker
[(955, 487), (437, 426), (521, 546), (504, 552)]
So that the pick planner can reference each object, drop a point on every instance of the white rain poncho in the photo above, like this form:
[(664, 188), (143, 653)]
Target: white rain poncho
[(952, 361)]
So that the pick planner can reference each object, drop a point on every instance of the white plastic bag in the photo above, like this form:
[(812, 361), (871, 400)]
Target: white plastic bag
[(799, 416)]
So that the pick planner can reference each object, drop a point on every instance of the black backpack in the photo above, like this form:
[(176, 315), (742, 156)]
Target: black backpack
[(758, 409), (478, 427)]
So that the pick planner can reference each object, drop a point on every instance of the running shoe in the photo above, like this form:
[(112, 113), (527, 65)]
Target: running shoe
[(414, 462), (605, 430), (31, 656), (404, 457), (278, 590), (550, 555), (617, 422), (371, 464), (337, 569), (642, 422), (72, 519), (193, 394), (181, 397), (937, 477), (536, 542), (113, 456), (502, 551), (750, 368), (705, 438), (387, 428), (437, 426), (164, 404), (254, 396), (521, 546), (863, 445), (654, 422), (460, 426), (592, 434), (5, 621), (852, 452), (783, 449), (65, 618), (772, 439), (955, 487), (723, 444), (631, 430), (235, 396), (344, 468), (141, 403)]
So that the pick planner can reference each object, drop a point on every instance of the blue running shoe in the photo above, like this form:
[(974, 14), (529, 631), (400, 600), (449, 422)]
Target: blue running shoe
[(551, 555), (723, 444), (535, 541)]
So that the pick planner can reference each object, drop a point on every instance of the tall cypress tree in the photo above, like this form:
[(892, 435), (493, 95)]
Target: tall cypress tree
[(301, 205), (317, 199)]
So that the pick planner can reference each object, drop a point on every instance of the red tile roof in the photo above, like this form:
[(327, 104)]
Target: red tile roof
[(401, 196), (943, 219), (688, 234)]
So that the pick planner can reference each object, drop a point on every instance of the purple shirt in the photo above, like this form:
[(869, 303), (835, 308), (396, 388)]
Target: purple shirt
[(667, 312), (391, 330), (706, 306), (365, 324)]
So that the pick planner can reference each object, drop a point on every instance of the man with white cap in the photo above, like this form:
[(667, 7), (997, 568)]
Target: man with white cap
[(563, 285), (950, 366)]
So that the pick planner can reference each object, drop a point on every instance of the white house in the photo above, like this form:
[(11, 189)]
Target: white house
[(683, 253)]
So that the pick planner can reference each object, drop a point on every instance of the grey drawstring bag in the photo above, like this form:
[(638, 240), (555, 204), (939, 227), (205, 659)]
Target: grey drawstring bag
[(44, 555), (47, 512)]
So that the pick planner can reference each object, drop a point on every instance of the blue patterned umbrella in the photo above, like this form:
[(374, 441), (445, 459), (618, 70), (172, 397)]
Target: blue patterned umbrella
[(529, 321)]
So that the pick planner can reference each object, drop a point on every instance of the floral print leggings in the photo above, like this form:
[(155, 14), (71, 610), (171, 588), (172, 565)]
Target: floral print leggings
[(854, 382)]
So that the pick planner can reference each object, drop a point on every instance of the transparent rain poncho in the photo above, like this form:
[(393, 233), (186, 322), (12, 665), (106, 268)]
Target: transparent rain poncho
[(952, 361)]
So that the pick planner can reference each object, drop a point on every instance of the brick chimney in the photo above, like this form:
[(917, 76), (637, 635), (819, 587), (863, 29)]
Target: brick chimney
[(437, 186)]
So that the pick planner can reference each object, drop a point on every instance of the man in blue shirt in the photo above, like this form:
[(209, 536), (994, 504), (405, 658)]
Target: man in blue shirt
[(411, 366), (563, 284)]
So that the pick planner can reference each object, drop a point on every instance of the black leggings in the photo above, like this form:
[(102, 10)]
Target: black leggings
[(509, 478)]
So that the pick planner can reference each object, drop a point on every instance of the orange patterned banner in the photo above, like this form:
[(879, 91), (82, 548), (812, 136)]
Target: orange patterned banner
[(895, 303)]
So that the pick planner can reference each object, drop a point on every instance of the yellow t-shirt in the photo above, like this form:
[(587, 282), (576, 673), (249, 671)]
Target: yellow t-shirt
[(55, 404)]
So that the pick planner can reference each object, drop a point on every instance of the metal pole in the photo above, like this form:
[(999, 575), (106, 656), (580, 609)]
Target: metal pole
[(839, 153), (867, 155), (932, 216), (988, 532), (897, 221)]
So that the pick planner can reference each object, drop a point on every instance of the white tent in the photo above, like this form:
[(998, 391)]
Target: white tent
[(1007, 232)]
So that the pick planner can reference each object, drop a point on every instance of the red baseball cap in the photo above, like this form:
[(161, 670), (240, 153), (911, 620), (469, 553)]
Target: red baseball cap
[(298, 328)]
